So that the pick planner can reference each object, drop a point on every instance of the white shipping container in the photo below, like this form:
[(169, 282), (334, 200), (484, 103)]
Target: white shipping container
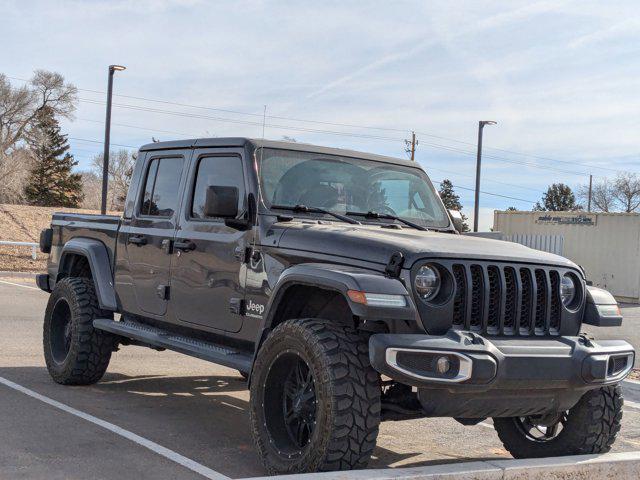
[(606, 245)]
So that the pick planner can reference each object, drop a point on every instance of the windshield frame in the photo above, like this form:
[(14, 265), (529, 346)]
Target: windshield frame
[(414, 169)]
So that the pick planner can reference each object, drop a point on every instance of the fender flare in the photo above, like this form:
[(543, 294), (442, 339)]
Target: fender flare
[(341, 278), (98, 257), (601, 308)]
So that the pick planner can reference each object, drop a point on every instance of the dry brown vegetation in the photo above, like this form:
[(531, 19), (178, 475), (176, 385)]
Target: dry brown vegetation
[(23, 223)]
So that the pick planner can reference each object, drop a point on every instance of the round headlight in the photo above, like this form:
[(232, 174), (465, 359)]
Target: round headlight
[(427, 282), (567, 289)]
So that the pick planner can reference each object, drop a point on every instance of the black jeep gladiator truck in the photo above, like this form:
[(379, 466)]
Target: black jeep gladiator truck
[(337, 283)]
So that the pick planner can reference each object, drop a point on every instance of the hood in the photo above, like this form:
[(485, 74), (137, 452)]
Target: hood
[(375, 244)]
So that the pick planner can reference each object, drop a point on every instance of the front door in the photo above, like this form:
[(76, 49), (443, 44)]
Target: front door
[(207, 280), (152, 227)]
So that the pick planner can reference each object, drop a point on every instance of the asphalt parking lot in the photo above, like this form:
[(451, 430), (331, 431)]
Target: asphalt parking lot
[(194, 410)]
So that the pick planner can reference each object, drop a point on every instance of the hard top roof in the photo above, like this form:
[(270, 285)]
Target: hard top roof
[(256, 143)]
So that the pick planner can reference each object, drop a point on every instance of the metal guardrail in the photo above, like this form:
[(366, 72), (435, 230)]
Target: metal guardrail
[(34, 246)]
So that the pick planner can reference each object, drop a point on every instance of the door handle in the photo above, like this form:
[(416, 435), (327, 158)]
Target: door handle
[(137, 240), (184, 245)]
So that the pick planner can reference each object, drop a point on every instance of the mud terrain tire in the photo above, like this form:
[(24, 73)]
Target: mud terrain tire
[(75, 352), (590, 427), (345, 401)]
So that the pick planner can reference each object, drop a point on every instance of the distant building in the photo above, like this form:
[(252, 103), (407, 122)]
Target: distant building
[(606, 245)]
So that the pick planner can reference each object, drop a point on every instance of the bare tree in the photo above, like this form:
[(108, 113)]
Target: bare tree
[(92, 189), (627, 191), (19, 108), (14, 174), (121, 164), (603, 196)]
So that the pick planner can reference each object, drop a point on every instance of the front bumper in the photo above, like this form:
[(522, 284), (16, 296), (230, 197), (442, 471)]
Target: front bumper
[(510, 375)]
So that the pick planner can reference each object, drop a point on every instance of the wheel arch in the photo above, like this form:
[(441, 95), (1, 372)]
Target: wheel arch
[(87, 257), (302, 288)]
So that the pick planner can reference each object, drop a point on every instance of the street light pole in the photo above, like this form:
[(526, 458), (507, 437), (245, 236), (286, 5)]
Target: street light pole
[(107, 135), (476, 207)]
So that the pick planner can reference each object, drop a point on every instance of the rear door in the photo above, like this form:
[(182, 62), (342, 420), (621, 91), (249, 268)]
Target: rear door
[(148, 235), (207, 280)]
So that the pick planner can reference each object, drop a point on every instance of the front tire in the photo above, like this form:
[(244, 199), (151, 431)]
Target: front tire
[(315, 399), (75, 352), (589, 427)]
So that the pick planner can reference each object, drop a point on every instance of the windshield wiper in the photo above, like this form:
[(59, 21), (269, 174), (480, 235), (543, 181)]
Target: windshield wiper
[(305, 209), (387, 216)]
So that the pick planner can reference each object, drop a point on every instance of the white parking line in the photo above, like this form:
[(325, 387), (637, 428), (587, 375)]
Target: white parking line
[(154, 447), (19, 285), (629, 403)]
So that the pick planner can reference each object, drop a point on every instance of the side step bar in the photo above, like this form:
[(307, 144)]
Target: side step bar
[(189, 346)]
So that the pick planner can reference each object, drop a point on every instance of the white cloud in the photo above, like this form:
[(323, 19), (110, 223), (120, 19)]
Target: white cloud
[(435, 67)]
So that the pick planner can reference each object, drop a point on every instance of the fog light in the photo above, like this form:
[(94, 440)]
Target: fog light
[(443, 365)]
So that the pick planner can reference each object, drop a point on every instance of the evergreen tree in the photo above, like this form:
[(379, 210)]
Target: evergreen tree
[(558, 198), (51, 183), (451, 200)]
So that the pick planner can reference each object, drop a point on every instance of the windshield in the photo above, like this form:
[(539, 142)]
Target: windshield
[(353, 185)]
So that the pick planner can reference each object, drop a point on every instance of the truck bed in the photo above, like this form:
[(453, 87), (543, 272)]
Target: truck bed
[(66, 226)]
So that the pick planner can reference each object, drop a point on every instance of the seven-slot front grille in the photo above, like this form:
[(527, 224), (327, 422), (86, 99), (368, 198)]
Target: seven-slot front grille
[(505, 300)]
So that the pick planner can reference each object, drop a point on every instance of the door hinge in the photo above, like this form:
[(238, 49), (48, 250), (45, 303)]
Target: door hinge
[(236, 305), (163, 291)]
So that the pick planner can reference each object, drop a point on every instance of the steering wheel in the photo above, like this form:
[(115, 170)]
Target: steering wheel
[(322, 196)]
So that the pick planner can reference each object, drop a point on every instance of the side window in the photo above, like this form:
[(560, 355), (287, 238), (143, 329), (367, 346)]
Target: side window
[(219, 172), (161, 187)]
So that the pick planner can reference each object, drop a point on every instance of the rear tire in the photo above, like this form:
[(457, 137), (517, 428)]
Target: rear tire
[(315, 399), (75, 352), (589, 427)]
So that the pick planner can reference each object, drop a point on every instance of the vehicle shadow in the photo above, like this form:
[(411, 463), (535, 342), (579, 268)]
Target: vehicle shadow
[(205, 418)]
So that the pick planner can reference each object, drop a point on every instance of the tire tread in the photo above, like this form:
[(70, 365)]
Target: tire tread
[(591, 428), (91, 348), (350, 439)]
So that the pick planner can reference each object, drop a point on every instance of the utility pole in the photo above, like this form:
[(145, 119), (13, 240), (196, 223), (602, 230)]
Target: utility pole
[(476, 207), (107, 137), (411, 146), (590, 189)]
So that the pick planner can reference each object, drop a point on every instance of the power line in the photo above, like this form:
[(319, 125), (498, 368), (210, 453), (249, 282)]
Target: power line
[(327, 132), (319, 122), (137, 127), (501, 159), (488, 180), (100, 141), (491, 193), (244, 122)]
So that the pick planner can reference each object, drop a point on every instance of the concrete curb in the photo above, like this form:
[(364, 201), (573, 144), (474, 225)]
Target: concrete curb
[(593, 467)]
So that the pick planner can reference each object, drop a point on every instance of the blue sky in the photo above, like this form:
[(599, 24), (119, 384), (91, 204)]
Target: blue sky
[(561, 78)]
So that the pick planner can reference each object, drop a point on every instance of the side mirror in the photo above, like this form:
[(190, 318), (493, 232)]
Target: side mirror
[(458, 221), (221, 202)]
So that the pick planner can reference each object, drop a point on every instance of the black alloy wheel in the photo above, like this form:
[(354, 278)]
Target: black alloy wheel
[(61, 331), (290, 404), (299, 403), (541, 429)]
